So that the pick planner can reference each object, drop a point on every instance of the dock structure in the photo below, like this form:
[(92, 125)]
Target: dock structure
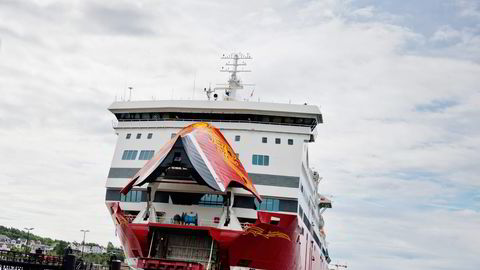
[(14, 260)]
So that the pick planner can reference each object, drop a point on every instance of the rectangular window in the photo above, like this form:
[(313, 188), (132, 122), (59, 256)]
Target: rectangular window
[(262, 160), (211, 200), (150, 135), (146, 154), (290, 141), (129, 154), (237, 138), (173, 135), (268, 204), (132, 196), (139, 135), (264, 139), (277, 140), (128, 136)]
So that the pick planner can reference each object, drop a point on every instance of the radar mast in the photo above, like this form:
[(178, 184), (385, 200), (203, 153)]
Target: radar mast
[(234, 83)]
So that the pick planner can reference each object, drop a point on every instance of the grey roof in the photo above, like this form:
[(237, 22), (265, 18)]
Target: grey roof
[(207, 106)]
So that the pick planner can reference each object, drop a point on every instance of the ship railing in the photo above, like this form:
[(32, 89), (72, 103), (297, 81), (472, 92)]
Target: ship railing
[(116, 123), (192, 222), (200, 222)]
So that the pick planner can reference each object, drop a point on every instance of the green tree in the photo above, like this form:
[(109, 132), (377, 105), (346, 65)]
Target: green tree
[(110, 247), (60, 247)]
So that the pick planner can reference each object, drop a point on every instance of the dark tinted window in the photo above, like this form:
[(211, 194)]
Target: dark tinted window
[(149, 136), (237, 138), (128, 136), (277, 141), (264, 139), (139, 135), (290, 141)]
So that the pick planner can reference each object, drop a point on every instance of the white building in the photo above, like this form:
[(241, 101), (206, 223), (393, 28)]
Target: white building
[(88, 248), (4, 239)]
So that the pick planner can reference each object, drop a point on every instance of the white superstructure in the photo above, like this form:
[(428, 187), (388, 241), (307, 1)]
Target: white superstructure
[(270, 139)]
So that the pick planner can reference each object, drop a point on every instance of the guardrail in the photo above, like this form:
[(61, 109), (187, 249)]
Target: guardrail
[(28, 258), (115, 123)]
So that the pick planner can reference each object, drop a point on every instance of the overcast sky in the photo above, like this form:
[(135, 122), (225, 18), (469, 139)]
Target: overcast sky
[(397, 82)]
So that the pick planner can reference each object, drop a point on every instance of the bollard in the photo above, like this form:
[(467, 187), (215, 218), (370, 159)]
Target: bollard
[(69, 262), (115, 265)]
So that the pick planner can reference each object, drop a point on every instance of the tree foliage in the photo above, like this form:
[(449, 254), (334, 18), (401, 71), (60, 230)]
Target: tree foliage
[(60, 247)]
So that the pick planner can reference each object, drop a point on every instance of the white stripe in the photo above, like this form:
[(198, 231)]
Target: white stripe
[(207, 162)]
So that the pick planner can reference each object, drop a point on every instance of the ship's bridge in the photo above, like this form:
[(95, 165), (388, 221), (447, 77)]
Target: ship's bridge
[(293, 115)]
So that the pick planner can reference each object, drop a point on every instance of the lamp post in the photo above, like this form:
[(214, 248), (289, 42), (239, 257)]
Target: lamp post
[(28, 237), (83, 243)]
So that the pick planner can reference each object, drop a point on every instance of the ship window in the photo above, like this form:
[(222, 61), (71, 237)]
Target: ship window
[(268, 204), (173, 135), (146, 154), (277, 140), (211, 200), (244, 202), (264, 139), (300, 211), (262, 160), (128, 136), (132, 196), (237, 138), (307, 222), (290, 141), (149, 136), (139, 135), (129, 154)]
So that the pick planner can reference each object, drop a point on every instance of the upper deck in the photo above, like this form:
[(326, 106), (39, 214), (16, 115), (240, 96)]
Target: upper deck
[(218, 111)]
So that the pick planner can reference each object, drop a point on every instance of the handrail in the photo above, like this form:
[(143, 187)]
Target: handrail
[(21, 257), (211, 121)]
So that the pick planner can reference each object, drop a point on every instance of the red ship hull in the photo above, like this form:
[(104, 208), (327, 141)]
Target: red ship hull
[(261, 246)]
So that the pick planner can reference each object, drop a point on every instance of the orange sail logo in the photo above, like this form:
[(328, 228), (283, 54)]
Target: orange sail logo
[(256, 231)]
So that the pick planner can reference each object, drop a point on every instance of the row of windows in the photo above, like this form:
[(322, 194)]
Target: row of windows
[(303, 216), (129, 155), (132, 154), (265, 140), (261, 160), (146, 154), (268, 204), (207, 200), (237, 138), (139, 136), (211, 200), (224, 117), (277, 140), (132, 196)]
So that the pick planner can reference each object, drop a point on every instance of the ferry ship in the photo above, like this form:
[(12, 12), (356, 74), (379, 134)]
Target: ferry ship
[(218, 183)]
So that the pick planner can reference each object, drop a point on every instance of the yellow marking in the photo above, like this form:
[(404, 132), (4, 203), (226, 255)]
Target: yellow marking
[(256, 231)]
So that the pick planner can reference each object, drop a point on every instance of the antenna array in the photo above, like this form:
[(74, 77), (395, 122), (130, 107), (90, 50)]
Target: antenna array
[(235, 60)]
